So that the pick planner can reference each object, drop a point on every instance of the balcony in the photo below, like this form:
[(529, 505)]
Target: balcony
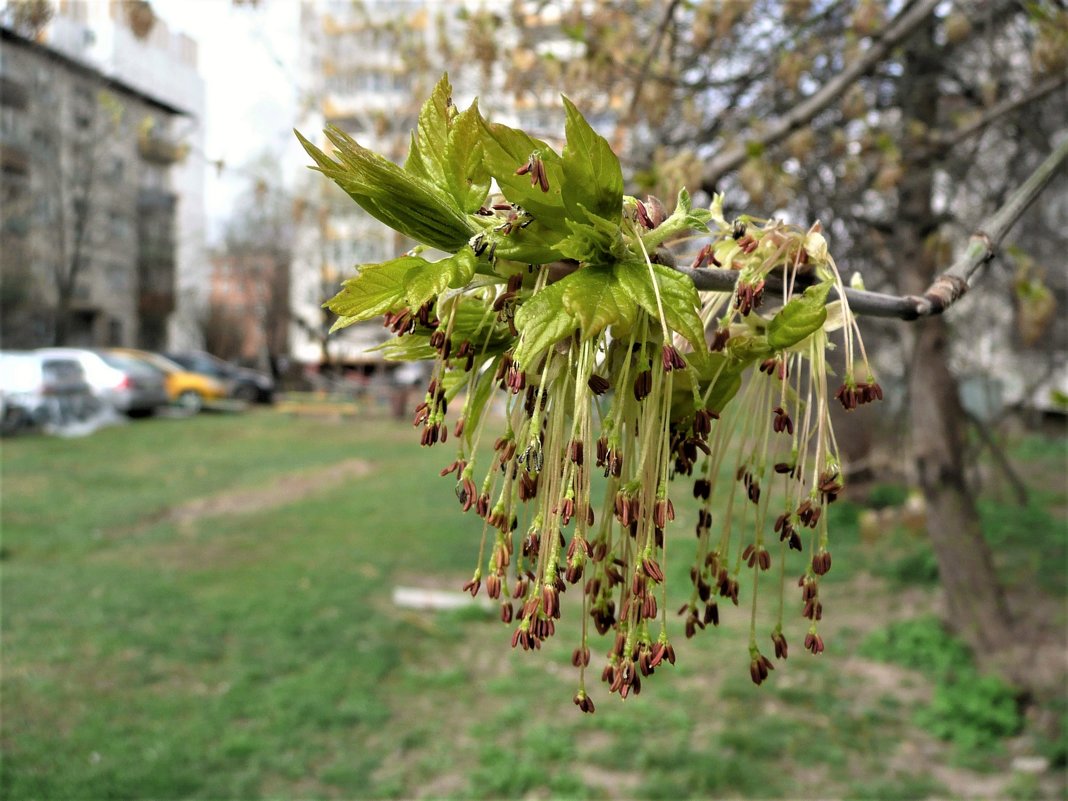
[(156, 148)]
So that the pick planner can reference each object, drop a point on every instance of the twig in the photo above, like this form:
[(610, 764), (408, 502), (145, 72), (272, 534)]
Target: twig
[(733, 157), (1019, 488), (639, 81), (948, 288), (944, 140)]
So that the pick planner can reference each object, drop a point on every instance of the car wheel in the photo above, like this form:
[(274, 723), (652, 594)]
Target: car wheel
[(14, 420), (190, 401), (246, 393)]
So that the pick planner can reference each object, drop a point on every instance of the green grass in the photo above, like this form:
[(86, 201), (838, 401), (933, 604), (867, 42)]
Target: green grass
[(258, 654)]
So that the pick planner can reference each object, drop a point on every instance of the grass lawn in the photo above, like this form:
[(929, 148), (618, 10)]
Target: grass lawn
[(201, 608)]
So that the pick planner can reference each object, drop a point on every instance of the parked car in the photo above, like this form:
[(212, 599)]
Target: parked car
[(38, 391), (186, 389), (127, 385), (246, 384)]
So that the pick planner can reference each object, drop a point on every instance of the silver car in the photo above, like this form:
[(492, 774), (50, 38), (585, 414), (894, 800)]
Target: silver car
[(42, 391), (125, 384)]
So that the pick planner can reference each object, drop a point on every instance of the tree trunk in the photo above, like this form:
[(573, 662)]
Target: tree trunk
[(975, 600)]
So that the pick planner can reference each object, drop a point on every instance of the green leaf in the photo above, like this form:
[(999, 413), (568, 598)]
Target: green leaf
[(744, 349), (596, 241), (427, 157), (596, 299), (677, 296), (408, 348), (403, 201), (426, 280), (534, 244), (799, 318), (376, 289), (466, 175), (542, 321), (724, 389), (592, 175), (480, 400), (505, 150), (723, 375), (446, 150)]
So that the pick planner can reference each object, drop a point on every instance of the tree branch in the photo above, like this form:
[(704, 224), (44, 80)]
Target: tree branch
[(948, 287), (733, 157), (945, 140), (639, 81)]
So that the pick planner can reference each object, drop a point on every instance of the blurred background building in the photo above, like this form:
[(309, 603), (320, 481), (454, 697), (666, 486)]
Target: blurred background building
[(103, 214)]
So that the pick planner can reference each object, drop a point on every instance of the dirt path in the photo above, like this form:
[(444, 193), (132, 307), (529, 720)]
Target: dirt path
[(178, 553), (281, 491)]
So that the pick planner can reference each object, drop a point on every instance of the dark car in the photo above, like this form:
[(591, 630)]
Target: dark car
[(245, 384)]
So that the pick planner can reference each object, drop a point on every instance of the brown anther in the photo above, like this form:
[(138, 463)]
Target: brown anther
[(711, 615), (781, 646), (598, 385), (652, 570), (643, 385)]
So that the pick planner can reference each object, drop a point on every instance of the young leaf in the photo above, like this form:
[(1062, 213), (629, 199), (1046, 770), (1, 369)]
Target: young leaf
[(799, 318), (677, 297), (596, 299), (377, 288), (507, 149), (592, 175), (541, 321), (724, 389), (594, 241), (534, 244), (399, 199), (446, 150), (427, 157), (409, 348), (480, 400), (466, 175), (426, 280), (744, 349)]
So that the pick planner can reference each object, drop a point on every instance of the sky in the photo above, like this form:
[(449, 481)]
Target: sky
[(248, 58)]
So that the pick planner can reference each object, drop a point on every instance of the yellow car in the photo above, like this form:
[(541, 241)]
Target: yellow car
[(186, 390)]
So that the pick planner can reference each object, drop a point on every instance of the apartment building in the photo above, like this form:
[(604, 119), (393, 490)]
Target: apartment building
[(88, 218), (127, 42)]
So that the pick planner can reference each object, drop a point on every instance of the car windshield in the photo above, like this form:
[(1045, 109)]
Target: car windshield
[(159, 362)]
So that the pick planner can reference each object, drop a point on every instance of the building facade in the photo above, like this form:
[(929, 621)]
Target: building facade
[(89, 207), (127, 42)]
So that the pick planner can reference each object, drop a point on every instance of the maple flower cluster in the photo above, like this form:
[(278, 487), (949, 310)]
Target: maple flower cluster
[(614, 376)]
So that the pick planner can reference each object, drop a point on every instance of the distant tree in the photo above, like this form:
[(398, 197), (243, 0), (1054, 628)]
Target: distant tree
[(256, 254)]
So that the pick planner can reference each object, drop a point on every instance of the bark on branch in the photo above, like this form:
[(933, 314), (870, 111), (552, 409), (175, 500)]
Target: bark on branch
[(948, 288)]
